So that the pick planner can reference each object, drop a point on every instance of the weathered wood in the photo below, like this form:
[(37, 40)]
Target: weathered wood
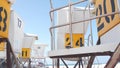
[(114, 59)]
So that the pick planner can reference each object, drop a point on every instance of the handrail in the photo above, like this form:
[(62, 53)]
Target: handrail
[(68, 5), (95, 17), (52, 10)]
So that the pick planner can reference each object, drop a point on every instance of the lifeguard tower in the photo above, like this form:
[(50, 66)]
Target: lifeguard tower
[(7, 52), (15, 45), (71, 29), (38, 55)]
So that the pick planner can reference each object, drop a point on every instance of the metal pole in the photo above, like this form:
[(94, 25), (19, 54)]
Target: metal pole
[(52, 34), (84, 18), (90, 25), (70, 21)]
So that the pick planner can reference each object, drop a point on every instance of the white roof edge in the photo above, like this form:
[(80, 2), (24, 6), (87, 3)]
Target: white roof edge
[(31, 35)]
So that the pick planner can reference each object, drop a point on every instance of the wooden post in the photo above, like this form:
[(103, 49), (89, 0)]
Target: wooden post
[(58, 63), (114, 59), (9, 63)]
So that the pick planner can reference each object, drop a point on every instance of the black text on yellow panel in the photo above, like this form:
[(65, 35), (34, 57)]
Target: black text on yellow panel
[(104, 24), (26, 53), (4, 18), (78, 40)]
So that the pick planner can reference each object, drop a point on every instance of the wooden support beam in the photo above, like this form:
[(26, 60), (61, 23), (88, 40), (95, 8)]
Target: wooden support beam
[(64, 63), (79, 65), (78, 62), (114, 59), (90, 62), (9, 63), (58, 63), (81, 62)]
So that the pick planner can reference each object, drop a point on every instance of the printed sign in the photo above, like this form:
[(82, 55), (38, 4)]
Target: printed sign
[(2, 46), (25, 53), (78, 40), (106, 23), (4, 18)]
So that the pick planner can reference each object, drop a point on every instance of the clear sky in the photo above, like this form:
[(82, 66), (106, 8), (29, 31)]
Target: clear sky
[(35, 15)]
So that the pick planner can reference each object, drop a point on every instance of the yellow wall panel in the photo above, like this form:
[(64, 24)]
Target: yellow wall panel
[(26, 53), (4, 18), (78, 40), (104, 24)]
